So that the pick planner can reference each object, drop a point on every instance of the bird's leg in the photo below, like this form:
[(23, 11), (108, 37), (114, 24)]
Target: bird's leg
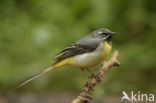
[(83, 73), (91, 72), (87, 84), (96, 76)]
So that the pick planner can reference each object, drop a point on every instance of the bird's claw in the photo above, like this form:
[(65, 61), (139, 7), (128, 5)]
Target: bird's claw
[(89, 85), (96, 76)]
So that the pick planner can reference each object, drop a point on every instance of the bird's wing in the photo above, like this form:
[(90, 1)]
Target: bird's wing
[(79, 47)]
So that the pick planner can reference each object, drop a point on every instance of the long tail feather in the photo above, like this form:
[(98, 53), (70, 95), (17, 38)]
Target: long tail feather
[(35, 76)]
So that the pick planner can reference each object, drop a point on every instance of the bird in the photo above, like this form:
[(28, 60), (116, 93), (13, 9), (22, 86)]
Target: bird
[(85, 53)]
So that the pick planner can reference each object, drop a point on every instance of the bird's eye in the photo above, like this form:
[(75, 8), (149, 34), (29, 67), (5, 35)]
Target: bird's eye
[(104, 35)]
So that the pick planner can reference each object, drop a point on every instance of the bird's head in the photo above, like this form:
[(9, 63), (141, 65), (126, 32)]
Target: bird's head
[(104, 34)]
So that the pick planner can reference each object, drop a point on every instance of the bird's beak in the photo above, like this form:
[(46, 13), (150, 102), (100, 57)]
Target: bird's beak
[(114, 33)]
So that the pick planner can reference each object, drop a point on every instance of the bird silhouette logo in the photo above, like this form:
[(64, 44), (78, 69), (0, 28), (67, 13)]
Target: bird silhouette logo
[(125, 96)]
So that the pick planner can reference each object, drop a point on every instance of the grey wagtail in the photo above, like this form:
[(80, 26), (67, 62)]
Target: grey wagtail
[(84, 53)]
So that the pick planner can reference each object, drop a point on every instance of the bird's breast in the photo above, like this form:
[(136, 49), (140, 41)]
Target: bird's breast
[(88, 60)]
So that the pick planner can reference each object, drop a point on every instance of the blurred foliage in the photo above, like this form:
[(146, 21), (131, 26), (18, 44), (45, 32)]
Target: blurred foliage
[(33, 31)]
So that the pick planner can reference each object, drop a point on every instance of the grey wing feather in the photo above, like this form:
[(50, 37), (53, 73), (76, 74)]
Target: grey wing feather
[(84, 45), (65, 50)]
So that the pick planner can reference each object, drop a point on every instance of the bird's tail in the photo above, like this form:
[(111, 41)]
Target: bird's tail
[(35, 76), (61, 63)]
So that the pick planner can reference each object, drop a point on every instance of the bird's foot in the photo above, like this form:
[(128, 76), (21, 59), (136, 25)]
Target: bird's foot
[(89, 85), (96, 76)]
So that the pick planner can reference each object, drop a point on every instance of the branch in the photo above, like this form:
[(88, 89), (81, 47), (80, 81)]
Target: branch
[(83, 97)]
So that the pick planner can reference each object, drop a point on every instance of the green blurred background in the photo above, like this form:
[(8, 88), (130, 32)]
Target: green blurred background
[(33, 31)]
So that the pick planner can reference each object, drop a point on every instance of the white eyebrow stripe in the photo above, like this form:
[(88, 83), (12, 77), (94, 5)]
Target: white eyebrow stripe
[(99, 32)]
